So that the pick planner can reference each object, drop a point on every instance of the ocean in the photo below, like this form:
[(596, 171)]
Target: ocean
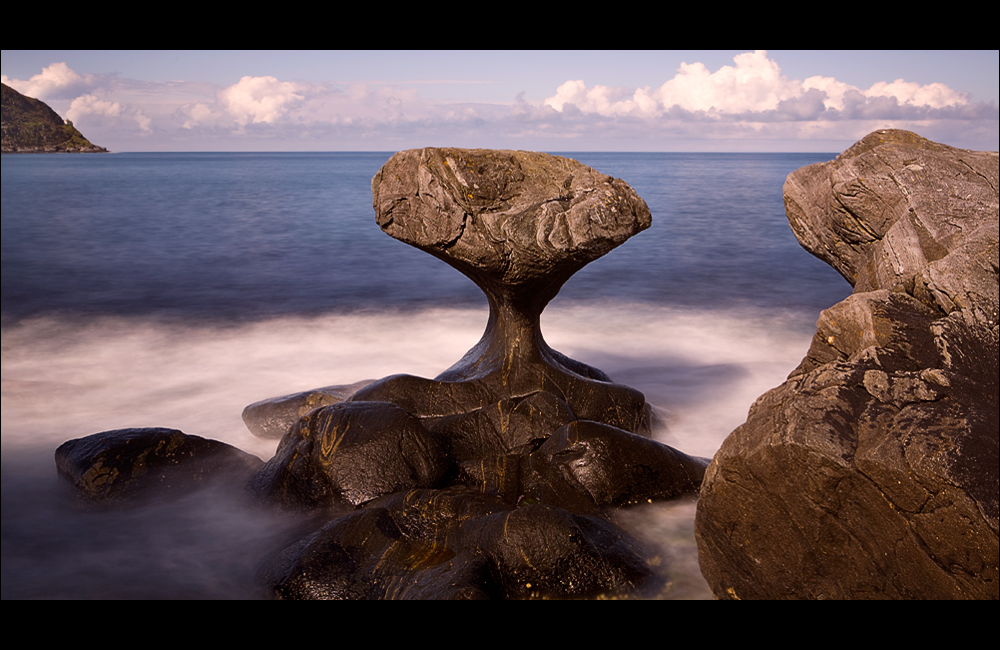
[(173, 289)]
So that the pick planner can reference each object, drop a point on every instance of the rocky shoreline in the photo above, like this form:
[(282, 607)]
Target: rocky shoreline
[(871, 473), (56, 149)]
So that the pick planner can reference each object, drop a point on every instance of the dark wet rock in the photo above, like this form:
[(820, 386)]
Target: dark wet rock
[(872, 472), (271, 418), (460, 544), (130, 465), (608, 467), (350, 453)]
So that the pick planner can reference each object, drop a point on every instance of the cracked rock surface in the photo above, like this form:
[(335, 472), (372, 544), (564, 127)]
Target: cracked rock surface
[(872, 472)]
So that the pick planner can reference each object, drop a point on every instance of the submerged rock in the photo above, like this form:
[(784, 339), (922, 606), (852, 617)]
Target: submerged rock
[(872, 472)]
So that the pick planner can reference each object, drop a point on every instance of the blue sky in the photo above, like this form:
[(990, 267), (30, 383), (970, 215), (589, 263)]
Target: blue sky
[(670, 100)]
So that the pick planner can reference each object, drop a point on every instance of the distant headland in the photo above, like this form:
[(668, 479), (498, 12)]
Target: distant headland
[(30, 126)]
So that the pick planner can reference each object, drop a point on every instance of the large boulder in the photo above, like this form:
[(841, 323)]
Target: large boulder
[(872, 472), (519, 223)]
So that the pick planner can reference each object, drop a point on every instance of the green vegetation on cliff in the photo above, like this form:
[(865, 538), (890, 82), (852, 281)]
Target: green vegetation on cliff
[(29, 126)]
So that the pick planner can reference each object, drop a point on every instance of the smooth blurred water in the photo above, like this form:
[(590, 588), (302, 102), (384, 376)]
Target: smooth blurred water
[(245, 236), (170, 289)]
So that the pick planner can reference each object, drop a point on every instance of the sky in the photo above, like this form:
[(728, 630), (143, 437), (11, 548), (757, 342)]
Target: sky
[(548, 100)]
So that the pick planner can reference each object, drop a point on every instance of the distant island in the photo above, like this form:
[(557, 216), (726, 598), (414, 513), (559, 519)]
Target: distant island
[(30, 126)]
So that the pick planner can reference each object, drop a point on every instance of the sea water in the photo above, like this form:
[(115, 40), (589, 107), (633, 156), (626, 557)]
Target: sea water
[(173, 289)]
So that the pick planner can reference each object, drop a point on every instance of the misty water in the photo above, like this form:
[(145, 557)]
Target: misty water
[(169, 289)]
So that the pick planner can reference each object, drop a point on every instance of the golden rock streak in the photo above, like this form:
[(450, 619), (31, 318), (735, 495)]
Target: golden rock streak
[(329, 445)]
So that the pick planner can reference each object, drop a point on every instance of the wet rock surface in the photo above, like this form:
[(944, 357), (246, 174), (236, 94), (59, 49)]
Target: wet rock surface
[(348, 454), (496, 478), (136, 465), (271, 418), (457, 543), (872, 472)]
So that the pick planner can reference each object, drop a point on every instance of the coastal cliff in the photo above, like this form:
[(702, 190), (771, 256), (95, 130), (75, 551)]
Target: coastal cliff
[(872, 471), (30, 126)]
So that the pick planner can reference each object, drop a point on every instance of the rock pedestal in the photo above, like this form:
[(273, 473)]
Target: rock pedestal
[(518, 224), (515, 451), (872, 472)]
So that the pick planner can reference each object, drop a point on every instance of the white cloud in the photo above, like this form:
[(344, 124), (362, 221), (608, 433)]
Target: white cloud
[(748, 102), (87, 105), (605, 100), (935, 95), (55, 81), (753, 86), (82, 98), (833, 89), (143, 120), (260, 99), (195, 114)]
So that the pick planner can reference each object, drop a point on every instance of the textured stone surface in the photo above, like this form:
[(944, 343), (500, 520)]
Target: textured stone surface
[(128, 465), (271, 418), (349, 454), (457, 543), (872, 472), (518, 224)]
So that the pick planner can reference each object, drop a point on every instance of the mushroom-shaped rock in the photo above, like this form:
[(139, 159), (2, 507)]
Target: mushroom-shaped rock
[(492, 479), (518, 224)]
